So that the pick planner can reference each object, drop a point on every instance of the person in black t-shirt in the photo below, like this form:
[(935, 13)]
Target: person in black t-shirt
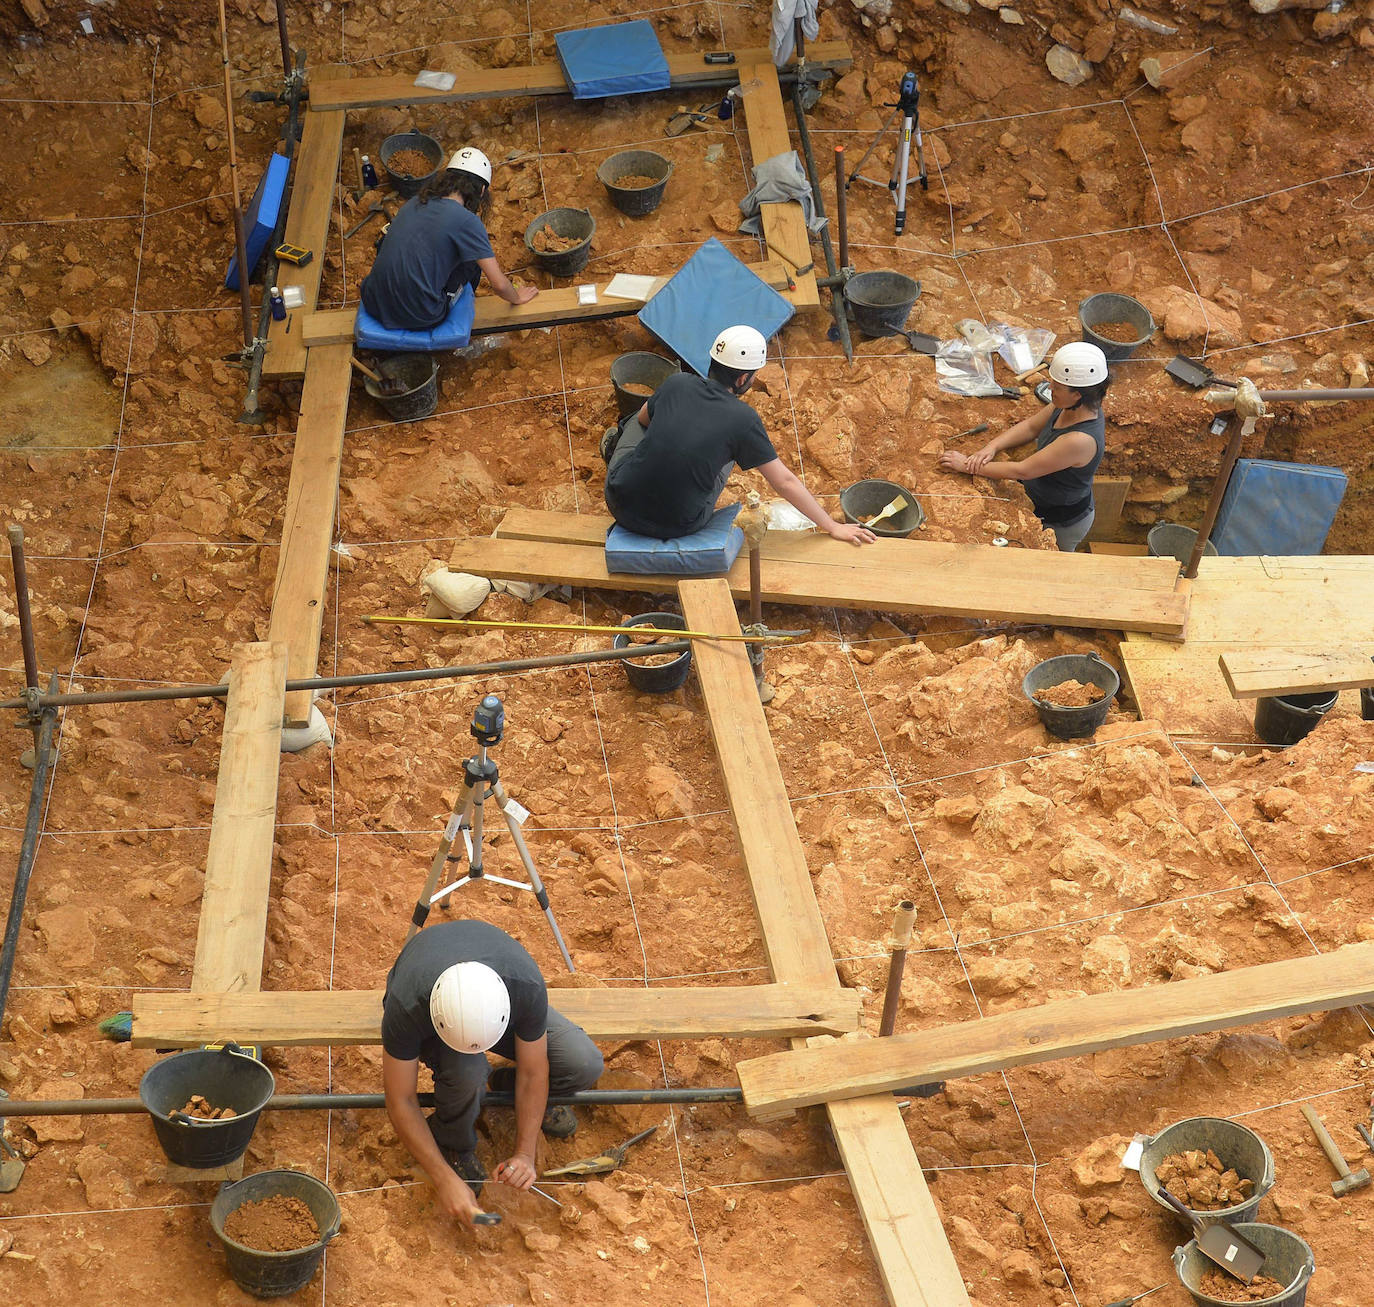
[(668, 463), (434, 247), (458, 989)]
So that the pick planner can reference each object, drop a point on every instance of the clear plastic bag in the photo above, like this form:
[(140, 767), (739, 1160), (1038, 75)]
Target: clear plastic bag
[(1023, 348), (783, 517), (963, 370)]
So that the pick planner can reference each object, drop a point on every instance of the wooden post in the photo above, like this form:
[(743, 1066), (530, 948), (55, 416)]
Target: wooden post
[(1228, 463), (902, 922)]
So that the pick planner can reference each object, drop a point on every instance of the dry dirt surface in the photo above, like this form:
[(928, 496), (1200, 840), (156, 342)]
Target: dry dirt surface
[(1232, 201)]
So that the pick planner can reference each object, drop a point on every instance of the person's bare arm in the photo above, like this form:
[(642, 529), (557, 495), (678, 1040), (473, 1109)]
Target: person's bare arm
[(1072, 449), (1018, 434), (400, 1080), (789, 486), (502, 285), (531, 1098)]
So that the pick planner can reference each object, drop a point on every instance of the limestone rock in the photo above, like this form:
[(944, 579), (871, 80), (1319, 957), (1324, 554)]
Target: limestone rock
[(1011, 817), (832, 445), (1274, 6), (114, 329), (52, 1129), (1068, 66), (614, 1205), (1108, 959), (67, 933), (1100, 1163), (36, 349), (1084, 141), (1011, 17), (999, 977), (1169, 69), (35, 12), (105, 1187), (669, 793)]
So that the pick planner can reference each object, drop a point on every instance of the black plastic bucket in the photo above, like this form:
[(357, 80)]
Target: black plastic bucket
[(1238, 1147), (656, 678), (866, 499), (419, 373), (1108, 307), (1287, 1259), (268, 1274), (565, 223), (1367, 703), (224, 1077), (1167, 540), (1288, 718), (1072, 723), (635, 201), (411, 140), (880, 302), (638, 369)]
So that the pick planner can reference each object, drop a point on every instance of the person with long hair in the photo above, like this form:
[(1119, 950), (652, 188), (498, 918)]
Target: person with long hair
[(436, 245), (1070, 438)]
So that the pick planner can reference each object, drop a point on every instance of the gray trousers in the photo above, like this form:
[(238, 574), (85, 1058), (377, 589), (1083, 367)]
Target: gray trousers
[(460, 1078), (1069, 536), (632, 431)]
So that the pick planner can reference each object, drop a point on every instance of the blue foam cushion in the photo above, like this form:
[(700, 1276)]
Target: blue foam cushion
[(711, 291), (617, 59), (261, 219), (712, 549), (1277, 508), (452, 333)]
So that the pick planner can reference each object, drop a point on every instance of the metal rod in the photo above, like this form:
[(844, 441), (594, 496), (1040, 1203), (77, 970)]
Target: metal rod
[(241, 248), (1209, 518), (342, 1102), (902, 922), (28, 849), (381, 619), (841, 208), (285, 43), (1298, 396), (21, 600), (173, 692)]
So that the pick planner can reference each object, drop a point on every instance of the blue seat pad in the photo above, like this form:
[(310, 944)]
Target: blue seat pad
[(712, 549), (452, 333), (261, 219), (1278, 508), (614, 59)]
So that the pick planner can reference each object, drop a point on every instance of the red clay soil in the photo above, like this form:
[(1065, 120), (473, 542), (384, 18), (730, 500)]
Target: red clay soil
[(277, 1224), (916, 766)]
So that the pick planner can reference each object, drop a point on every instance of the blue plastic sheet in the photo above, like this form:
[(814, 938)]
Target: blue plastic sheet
[(711, 291), (712, 549), (452, 333), (1278, 508), (617, 59), (261, 219)]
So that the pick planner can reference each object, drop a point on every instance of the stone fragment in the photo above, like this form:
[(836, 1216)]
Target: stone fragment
[(999, 977), (1068, 66), (35, 12), (1100, 1163), (57, 1129), (208, 112), (67, 933), (1011, 17), (1173, 66), (1097, 45), (36, 349), (1275, 6), (1108, 959)]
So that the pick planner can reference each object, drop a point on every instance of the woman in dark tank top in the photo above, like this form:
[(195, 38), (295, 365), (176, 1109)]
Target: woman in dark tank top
[(1069, 435)]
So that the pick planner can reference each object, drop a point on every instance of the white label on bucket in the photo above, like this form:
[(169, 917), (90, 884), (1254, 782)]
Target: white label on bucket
[(1131, 1160), (518, 814)]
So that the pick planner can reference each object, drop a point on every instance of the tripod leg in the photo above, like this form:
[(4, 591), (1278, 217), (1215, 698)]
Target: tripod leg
[(898, 183), (462, 808), (540, 893), (868, 154), (921, 175)]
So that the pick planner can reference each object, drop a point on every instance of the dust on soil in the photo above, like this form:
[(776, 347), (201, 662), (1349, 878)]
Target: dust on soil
[(280, 1223), (917, 768), (1071, 694)]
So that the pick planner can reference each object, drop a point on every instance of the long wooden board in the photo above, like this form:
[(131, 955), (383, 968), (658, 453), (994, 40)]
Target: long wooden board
[(794, 935), (298, 597), (1109, 500), (307, 225), (164, 1020), (238, 867), (685, 70), (1073, 1027), (1251, 673), (922, 577)]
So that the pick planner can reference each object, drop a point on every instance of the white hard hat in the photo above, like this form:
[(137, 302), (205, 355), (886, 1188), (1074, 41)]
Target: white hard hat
[(470, 1007), (1078, 364), (470, 159), (742, 348)]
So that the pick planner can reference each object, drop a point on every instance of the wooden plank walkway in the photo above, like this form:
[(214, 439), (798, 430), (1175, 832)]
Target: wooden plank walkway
[(1071, 1027), (1254, 672), (687, 71), (894, 576), (279, 1018), (238, 866)]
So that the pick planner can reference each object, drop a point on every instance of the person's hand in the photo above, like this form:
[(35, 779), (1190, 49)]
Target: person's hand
[(518, 1172), (953, 461), (854, 534), (524, 294), (979, 459), (458, 1200)]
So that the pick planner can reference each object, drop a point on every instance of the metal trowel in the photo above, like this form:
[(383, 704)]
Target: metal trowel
[(602, 1163), (11, 1165), (1221, 1242)]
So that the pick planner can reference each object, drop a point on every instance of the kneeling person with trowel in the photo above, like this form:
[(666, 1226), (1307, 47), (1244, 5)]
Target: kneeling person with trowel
[(668, 463), (457, 990)]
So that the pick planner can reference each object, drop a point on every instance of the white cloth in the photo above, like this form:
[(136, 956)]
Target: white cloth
[(785, 12)]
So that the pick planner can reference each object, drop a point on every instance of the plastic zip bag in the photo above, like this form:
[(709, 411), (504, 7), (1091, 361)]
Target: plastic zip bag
[(963, 370), (1023, 348)]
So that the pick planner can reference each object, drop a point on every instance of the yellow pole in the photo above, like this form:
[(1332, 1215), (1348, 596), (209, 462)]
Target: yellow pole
[(377, 619)]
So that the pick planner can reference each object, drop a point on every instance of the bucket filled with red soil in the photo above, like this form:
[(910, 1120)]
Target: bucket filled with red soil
[(410, 159), (1072, 693), (1117, 324), (1281, 1282), (274, 1227), (205, 1104), (635, 180)]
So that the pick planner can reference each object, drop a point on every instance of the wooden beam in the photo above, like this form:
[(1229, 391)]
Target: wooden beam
[(307, 225), (794, 935), (238, 867), (685, 70), (1072, 1027), (1109, 501), (1251, 673), (298, 597), (164, 1020), (895, 576)]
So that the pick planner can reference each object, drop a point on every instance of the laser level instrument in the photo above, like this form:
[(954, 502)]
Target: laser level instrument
[(296, 254), (908, 105), (481, 780)]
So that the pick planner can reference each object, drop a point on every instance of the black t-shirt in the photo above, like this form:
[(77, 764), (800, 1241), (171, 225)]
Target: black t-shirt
[(1064, 496), (406, 1022), (430, 250), (664, 486)]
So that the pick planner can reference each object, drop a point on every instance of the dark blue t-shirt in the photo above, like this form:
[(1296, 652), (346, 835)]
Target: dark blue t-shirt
[(430, 250), (1064, 496)]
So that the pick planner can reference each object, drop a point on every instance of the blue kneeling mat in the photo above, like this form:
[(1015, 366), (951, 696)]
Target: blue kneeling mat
[(1277, 508), (711, 291), (452, 333), (616, 59), (261, 219), (712, 549)]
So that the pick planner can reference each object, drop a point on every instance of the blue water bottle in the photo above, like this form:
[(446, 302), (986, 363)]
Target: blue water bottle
[(369, 174), (278, 305)]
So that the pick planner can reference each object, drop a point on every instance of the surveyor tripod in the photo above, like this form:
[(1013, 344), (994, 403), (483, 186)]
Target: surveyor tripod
[(909, 106), (482, 780)]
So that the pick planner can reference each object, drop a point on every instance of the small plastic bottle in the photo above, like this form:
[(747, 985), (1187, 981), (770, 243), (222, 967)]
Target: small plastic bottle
[(278, 305), (369, 173)]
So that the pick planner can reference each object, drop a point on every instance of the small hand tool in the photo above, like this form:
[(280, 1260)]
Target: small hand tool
[(1366, 1136), (603, 1163), (888, 510), (486, 1218), (387, 385), (1126, 1302), (294, 254), (800, 272), (1349, 1180), (972, 431), (373, 210), (1220, 1243)]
